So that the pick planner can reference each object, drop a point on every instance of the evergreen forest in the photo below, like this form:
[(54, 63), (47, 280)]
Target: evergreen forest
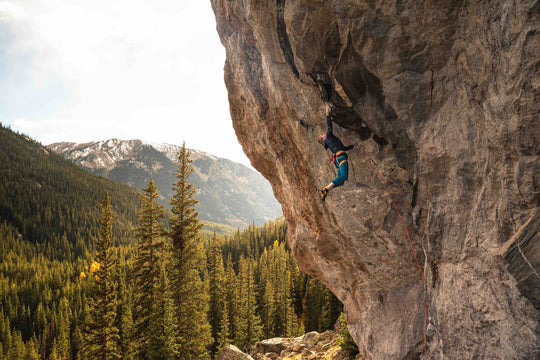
[(51, 200), (117, 278)]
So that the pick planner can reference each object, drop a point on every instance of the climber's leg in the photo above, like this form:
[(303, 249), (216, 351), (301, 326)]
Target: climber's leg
[(343, 172), (342, 176)]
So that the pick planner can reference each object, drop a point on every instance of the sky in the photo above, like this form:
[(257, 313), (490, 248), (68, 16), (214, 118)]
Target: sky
[(80, 70)]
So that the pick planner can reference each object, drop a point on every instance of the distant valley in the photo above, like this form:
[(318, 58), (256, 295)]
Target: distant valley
[(229, 193)]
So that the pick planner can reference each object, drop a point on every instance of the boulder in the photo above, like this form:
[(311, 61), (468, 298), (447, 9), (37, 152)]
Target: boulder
[(274, 345), (231, 352)]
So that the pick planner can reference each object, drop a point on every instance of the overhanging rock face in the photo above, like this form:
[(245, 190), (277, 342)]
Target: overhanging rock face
[(442, 98)]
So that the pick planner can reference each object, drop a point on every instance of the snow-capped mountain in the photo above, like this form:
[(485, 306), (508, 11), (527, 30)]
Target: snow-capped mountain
[(229, 193)]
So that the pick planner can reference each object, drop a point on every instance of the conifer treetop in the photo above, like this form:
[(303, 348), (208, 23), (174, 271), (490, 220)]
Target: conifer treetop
[(185, 223)]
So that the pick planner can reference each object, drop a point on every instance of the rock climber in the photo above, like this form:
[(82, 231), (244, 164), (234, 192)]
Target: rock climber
[(339, 155)]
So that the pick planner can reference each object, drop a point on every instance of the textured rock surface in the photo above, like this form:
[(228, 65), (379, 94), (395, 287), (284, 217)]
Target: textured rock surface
[(443, 98), (231, 352), (312, 346)]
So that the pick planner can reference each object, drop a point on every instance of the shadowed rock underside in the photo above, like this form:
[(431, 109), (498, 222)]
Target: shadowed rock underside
[(443, 98)]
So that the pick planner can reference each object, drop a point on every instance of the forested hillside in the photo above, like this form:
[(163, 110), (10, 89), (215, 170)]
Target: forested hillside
[(48, 198), (65, 283), (43, 300)]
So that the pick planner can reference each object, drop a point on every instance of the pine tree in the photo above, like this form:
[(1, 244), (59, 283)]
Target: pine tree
[(146, 265), (50, 336), (223, 338), (345, 340), (231, 298), (162, 343), (40, 324), (216, 278), (77, 344), (188, 260), (249, 328), (267, 296), (53, 355), (102, 334), (125, 322), (293, 328), (278, 269), (312, 305), (16, 348), (31, 351), (331, 310), (5, 332), (63, 330)]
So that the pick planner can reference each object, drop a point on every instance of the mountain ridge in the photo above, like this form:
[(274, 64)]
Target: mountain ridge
[(72, 149), (230, 193)]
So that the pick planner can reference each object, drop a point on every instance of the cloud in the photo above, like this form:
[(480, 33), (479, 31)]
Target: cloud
[(10, 11), (123, 68)]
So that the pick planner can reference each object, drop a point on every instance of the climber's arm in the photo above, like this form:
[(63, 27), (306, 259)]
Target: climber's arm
[(328, 120)]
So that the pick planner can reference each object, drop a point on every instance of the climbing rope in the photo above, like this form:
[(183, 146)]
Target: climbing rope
[(410, 243)]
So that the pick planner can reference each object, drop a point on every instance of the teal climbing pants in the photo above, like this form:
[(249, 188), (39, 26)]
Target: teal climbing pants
[(343, 170)]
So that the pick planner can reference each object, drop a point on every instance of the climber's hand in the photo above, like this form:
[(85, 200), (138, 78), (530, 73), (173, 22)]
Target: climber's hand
[(328, 108)]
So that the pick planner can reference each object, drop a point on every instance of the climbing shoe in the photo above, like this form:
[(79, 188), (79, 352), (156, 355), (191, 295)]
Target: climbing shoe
[(324, 192)]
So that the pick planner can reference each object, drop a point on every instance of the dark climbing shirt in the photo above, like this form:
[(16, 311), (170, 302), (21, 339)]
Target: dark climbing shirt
[(332, 142)]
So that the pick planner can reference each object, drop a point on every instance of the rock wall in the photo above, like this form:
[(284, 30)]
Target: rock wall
[(442, 98)]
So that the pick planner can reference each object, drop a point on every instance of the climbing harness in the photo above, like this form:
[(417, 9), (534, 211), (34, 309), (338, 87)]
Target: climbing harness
[(410, 243), (334, 158)]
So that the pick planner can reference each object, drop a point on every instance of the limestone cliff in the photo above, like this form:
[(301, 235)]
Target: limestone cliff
[(441, 97)]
